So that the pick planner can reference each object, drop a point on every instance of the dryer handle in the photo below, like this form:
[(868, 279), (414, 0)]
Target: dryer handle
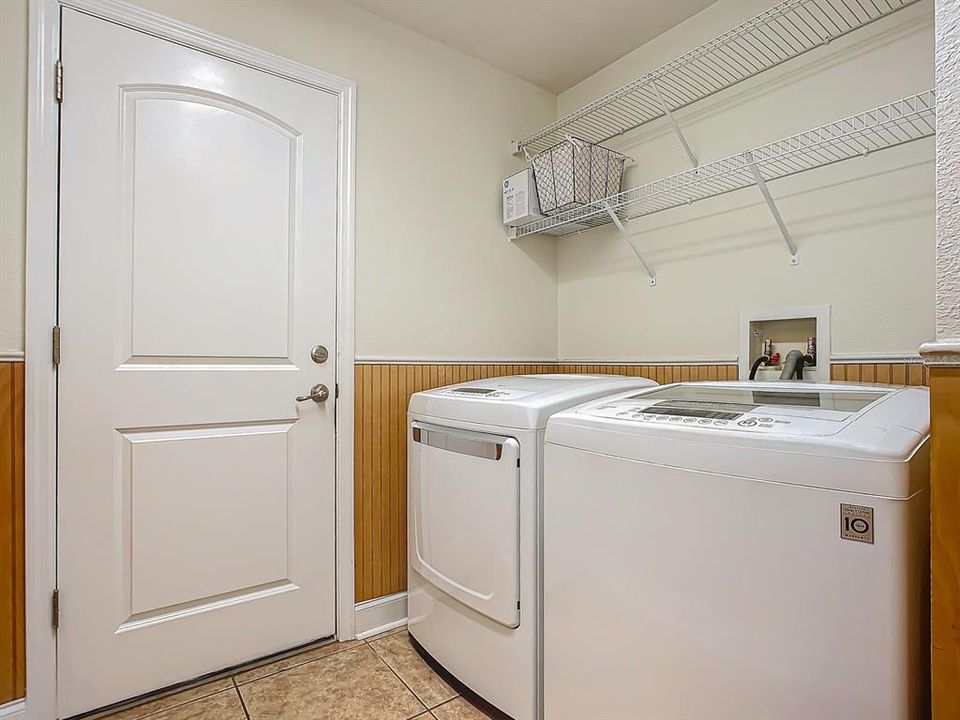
[(462, 442)]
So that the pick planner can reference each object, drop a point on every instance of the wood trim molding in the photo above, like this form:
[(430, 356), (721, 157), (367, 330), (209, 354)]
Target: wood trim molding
[(836, 359), (943, 353), (945, 541), (12, 639)]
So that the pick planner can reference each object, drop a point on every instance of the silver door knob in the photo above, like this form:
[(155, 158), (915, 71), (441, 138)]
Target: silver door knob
[(318, 393)]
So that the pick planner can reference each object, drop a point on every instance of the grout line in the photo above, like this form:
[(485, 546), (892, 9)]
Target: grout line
[(162, 709), (404, 682), (291, 667), (415, 693), (445, 702), (243, 703)]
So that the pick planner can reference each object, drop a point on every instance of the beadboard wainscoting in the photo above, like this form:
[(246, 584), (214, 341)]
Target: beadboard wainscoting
[(12, 670), (902, 373), (380, 480), (383, 390)]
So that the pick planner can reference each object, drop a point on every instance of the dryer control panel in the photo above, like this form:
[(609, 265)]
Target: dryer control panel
[(483, 393)]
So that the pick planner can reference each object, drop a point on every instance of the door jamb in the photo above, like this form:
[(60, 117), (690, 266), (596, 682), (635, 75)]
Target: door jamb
[(41, 311)]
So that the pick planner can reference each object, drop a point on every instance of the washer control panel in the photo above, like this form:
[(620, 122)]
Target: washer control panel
[(766, 408), (708, 416)]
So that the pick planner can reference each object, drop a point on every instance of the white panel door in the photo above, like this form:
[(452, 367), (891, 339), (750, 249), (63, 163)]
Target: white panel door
[(197, 270)]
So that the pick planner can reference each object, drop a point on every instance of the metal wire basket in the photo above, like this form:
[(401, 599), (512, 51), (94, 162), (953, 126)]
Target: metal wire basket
[(574, 173)]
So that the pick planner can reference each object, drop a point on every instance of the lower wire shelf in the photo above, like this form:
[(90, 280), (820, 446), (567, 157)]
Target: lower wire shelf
[(902, 121)]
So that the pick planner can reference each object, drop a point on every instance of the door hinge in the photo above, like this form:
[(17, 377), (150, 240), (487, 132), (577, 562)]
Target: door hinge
[(59, 80), (55, 610), (56, 345)]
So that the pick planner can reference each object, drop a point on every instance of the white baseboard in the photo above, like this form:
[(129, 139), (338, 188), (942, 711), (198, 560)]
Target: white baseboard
[(13, 709), (381, 614)]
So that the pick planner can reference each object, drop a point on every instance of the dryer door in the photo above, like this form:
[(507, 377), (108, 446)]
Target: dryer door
[(464, 503)]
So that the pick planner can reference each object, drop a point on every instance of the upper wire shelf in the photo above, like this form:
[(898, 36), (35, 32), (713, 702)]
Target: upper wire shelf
[(910, 118), (783, 32)]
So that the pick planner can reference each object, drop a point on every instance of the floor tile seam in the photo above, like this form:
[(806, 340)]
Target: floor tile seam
[(164, 709), (292, 667), (243, 703), (404, 682)]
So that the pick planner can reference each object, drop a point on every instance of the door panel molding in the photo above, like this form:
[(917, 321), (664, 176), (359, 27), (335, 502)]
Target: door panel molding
[(41, 315)]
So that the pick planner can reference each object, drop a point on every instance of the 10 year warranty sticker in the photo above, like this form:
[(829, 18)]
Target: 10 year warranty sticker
[(856, 523)]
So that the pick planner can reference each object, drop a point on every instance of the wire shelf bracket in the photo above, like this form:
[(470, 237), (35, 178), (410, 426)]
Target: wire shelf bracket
[(774, 210), (673, 124), (775, 36), (626, 236)]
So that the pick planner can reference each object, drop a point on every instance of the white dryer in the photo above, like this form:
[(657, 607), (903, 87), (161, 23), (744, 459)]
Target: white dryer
[(474, 468), (738, 551)]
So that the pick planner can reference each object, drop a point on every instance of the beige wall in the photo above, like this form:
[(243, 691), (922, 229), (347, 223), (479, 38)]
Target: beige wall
[(13, 137), (865, 228), (435, 277), (437, 280)]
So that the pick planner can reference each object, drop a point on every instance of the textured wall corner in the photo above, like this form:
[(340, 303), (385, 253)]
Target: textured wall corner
[(948, 168)]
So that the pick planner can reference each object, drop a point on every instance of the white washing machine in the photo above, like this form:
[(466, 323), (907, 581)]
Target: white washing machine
[(739, 551), (474, 467)]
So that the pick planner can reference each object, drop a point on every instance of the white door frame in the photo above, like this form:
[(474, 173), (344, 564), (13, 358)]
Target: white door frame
[(41, 312)]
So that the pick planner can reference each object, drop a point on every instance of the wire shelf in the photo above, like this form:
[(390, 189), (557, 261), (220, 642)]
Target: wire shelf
[(905, 120), (781, 33)]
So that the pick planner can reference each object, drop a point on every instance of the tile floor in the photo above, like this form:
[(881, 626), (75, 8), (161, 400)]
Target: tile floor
[(382, 678)]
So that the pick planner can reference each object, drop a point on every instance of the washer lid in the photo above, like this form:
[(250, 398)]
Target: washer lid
[(518, 401), (807, 434)]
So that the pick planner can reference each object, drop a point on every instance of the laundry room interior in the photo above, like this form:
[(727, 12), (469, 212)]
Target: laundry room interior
[(463, 359)]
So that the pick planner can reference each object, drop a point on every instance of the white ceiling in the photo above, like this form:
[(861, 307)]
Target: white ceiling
[(551, 43)]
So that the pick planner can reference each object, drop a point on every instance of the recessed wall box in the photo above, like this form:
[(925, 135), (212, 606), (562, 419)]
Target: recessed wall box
[(520, 204), (787, 329)]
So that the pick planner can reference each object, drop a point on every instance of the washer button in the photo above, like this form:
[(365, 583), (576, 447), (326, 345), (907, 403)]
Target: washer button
[(766, 420), (721, 422), (675, 419), (747, 423), (704, 422), (689, 420)]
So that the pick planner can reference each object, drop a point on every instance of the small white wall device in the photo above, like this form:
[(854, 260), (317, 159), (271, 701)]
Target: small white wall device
[(520, 202)]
